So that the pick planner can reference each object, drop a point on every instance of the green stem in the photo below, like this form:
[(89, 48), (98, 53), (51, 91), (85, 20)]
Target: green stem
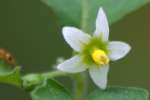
[(81, 79), (53, 74), (79, 88), (84, 16)]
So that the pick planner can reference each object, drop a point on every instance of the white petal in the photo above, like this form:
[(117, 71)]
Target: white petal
[(72, 65), (75, 37), (99, 75), (102, 27), (118, 50)]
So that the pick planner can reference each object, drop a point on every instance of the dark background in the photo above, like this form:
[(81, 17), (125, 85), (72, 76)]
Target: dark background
[(28, 28)]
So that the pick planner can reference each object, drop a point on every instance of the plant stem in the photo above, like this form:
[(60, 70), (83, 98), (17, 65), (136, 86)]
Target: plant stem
[(81, 79), (84, 16), (80, 86), (53, 74)]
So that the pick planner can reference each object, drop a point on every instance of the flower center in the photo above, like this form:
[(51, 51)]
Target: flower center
[(99, 57)]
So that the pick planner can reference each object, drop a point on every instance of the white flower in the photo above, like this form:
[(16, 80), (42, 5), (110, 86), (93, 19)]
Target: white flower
[(93, 52)]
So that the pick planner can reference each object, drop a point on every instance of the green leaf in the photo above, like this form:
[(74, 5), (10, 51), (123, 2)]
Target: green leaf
[(50, 90), (82, 13), (9, 74), (119, 93)]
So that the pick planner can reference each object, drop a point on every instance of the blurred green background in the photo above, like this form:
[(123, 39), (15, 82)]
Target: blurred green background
[(28, 28)]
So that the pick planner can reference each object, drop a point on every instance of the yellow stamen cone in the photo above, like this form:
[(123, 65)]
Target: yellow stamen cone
[(99, 56)]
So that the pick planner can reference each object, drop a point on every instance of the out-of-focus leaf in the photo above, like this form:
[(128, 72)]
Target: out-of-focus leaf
[(77, 12), (119, 93), (9, 74), (50, 90)]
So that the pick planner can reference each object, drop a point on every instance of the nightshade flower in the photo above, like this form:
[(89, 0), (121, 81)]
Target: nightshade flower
[(93, 52)]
